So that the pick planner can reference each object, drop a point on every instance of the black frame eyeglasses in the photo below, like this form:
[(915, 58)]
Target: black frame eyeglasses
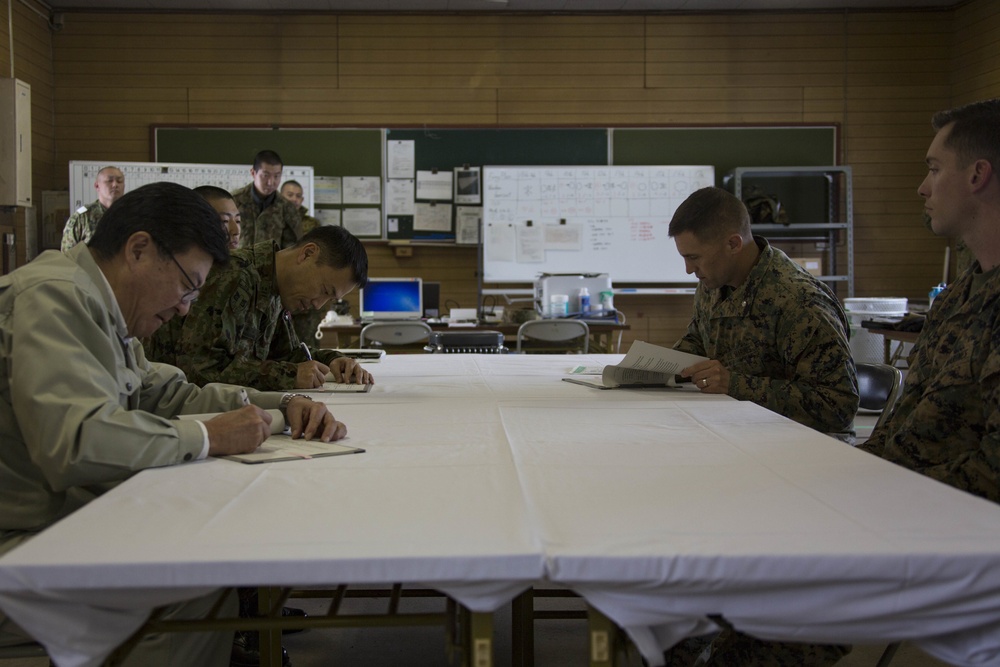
[(192, 292)]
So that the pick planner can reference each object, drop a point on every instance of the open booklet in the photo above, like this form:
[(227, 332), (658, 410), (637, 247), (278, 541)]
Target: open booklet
[(645, 365), (332, 387), (280, 446)]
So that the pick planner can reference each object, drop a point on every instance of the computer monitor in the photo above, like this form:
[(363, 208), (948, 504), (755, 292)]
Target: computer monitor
[(392, 299)]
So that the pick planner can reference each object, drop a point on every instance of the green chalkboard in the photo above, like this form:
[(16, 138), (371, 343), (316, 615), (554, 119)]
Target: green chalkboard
[(726, 148), (446, 149), (330, 152)]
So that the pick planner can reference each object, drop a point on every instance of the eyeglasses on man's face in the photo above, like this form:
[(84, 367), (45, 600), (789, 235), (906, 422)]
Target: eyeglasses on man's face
[(192, 292)]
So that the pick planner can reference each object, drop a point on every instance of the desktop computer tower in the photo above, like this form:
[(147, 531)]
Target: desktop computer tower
[(432, 299)]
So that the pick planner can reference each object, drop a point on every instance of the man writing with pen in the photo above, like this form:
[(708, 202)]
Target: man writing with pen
[(240, 331)]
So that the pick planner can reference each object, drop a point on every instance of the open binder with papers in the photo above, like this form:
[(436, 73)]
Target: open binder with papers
[(645, 366)]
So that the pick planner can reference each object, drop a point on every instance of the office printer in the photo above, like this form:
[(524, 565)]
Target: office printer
[(569, 284)]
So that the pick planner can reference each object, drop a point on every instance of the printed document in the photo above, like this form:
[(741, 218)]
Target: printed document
[(645, 365)]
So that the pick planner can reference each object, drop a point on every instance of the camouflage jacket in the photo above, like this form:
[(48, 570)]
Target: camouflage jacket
[(784, 338), (280, 222), (309, 223), (237, 330), (81, 225), (947, 422)]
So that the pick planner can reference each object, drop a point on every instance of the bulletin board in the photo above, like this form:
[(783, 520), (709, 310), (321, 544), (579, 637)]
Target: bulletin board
[(579, 219), (443, 150)]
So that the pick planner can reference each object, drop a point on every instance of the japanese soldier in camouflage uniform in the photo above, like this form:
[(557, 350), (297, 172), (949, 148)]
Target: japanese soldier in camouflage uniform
[(229, 215), (306, 324), (267, 216), (947, 422), (774, 335), (80, 226), (239, 330)]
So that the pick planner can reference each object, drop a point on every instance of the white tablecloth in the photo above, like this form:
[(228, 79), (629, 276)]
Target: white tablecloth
[(485, 473)]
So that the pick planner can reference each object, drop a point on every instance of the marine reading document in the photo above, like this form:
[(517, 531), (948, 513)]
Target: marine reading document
[(280, 446), (645, 366)]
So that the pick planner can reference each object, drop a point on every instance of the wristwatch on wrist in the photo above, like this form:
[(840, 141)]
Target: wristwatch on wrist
[(285, 400)]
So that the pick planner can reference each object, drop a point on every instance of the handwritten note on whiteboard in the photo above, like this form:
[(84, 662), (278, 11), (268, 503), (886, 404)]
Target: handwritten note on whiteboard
[(596, 219)]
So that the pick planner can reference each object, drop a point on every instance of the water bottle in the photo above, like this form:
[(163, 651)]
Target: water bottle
[(559, 305), (584, 300), (608, 301), (937, 289)]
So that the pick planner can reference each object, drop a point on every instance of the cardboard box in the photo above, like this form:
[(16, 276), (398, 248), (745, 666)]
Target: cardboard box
[(813, 265)]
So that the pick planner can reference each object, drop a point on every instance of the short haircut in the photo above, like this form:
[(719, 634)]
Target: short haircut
[(339, 248), (213, 193), (975, 134), (175, 216), (291, 181), (110, 166), (711, 214), (270, 157)]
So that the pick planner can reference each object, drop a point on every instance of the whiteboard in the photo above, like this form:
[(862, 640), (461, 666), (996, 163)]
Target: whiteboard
[(585, 220), (231, 177)]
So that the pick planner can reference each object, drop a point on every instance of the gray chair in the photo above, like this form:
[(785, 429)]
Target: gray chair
[(380, 334), (879, 386), (556, 331)]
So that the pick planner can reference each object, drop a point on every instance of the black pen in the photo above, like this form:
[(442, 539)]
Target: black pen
[(305, 348)]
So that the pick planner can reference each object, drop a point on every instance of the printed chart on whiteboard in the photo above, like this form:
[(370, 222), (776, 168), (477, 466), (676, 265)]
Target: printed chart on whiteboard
[(585, 220), (231, 177)]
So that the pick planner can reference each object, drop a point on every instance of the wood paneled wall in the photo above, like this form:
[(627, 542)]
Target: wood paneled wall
[(881, 75)]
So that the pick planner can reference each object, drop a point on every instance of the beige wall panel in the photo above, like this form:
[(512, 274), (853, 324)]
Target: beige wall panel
[(879, 74)]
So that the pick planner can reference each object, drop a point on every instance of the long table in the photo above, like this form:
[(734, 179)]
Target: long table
[(486, 474)]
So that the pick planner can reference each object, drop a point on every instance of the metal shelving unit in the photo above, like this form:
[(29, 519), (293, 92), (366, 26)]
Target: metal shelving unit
[(839, 211)]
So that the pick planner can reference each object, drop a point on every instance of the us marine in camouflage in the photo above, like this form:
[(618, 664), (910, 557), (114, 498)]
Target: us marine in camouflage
[(239, 330), (266, 215), (80, 226), (947, 422), (774, 335)]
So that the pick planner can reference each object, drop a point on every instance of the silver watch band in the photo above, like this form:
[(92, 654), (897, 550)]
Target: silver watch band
[(285, 400)]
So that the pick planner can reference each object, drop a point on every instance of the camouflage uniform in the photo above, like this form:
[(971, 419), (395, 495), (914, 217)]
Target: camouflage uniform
[(278, 221), (947, 422), (237, 331), (81, 225), (309, 223), (306, 323), (783, 336)]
